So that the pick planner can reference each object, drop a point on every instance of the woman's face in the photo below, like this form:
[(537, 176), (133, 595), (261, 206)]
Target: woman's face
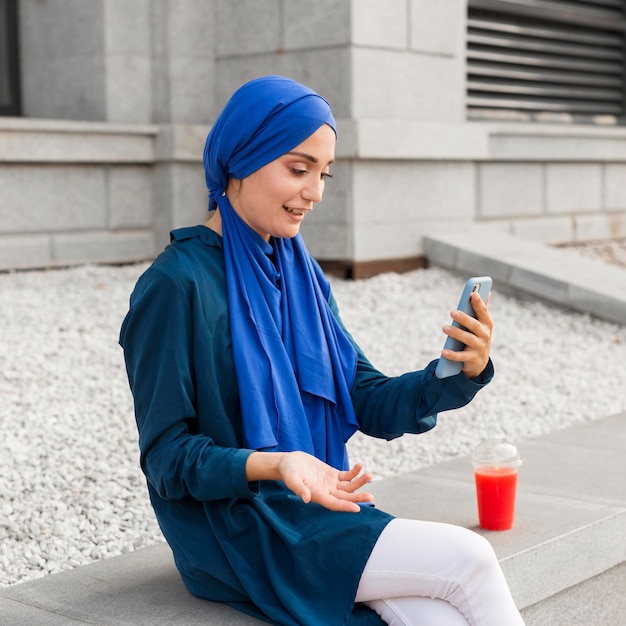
[(274, 199)]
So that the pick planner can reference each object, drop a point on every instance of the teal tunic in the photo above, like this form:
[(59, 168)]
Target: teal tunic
[(255, 546)]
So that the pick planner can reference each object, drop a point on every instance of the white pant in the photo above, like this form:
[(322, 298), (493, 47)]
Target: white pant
[(427, 574)]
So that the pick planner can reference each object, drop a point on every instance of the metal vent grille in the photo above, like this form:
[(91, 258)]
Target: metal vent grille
[(542, 59)]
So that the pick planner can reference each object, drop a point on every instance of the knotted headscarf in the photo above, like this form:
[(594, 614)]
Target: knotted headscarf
[(294, 363)]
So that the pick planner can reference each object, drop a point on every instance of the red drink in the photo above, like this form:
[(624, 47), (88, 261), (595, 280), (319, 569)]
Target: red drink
[(495, 492)]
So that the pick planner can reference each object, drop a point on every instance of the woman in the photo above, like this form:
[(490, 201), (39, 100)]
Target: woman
[(247, 386)]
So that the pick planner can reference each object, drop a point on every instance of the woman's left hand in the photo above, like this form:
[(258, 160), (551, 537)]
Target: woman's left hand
[(312, 479), (315, 481), (476, 337)]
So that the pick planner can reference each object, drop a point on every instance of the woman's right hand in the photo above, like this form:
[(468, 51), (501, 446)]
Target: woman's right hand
[(312, 479)]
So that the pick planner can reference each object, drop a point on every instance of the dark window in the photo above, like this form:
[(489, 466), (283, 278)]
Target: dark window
[(9, 68), (546, 59)]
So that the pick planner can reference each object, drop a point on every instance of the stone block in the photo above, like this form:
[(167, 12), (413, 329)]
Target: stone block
[(599, 226), (160, 27), (407, 191), (190, 195), (317, 24), (573, 187), (191, 28), (547, 228), (102, 247), (190, 89), (183, 61), (438, 27), (55, 142), (180, 199), (328, 240), (61, 47), (128, 88), (39, 198), (546, 142), (129, 192), (62, 28), (615, 187), (182, 142), (127, 27), (323, 70), (409, 139), (380, 24), (25, 251), (248, 27), (71, 87), (433, 225), (347, 143), (510, 189), (383, 240), (389, 84), (160, 84)]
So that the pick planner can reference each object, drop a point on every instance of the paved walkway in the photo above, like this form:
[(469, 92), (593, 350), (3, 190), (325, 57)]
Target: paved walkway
[(565, 558)]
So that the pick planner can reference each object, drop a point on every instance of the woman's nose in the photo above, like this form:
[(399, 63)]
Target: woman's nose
[(313, 191)]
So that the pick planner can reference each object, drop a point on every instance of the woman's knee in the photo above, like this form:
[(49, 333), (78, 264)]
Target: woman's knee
[(475, 546), (477, 554)]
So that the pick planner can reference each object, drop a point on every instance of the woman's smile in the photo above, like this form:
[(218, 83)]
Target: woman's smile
[(295, 212)]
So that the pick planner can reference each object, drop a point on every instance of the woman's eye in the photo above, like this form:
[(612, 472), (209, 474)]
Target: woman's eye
[(298, 172)]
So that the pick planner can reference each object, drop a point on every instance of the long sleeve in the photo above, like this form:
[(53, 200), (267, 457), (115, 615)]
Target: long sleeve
[(159, 343)]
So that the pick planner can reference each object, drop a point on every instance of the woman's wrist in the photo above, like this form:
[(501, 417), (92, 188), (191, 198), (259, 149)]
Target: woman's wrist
[(264, 466)]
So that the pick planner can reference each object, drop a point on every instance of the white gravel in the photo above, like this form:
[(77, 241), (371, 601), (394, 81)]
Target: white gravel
[(70, 487)]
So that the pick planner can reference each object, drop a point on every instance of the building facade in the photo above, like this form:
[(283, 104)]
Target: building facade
[(508, 114)]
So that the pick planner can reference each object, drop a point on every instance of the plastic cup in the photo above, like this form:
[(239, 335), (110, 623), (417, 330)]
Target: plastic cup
[(496, 464)]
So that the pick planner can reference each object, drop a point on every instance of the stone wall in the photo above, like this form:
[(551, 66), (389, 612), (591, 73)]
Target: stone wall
[(118, 100)]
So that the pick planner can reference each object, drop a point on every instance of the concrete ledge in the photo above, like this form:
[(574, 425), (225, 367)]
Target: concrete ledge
[(569, 529), (62, 249), (142, 587), (26, 140), (391, 138), (562, 277), (556, 142)]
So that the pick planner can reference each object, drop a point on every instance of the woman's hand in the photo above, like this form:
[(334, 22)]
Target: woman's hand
[(311, 479), (477, 337)]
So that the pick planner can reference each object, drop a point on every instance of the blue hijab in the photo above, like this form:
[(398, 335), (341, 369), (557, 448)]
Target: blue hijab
[(294, 363)]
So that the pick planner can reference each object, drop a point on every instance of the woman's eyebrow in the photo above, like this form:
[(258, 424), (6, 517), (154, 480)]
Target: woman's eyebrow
[(308, 157)]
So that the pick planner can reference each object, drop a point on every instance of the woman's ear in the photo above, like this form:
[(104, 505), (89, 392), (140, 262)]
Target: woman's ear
[(233, 187)]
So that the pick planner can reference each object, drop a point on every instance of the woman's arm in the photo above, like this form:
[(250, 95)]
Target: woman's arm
[(388, 407), (158, 340)]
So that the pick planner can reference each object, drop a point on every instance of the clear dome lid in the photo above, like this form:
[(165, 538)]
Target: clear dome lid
[(496, 453)]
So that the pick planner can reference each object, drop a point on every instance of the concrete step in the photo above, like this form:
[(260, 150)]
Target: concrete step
[(566, 548), (559, 276), (598, 601)]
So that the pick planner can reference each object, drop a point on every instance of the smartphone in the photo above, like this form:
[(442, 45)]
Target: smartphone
[(481, 284)]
